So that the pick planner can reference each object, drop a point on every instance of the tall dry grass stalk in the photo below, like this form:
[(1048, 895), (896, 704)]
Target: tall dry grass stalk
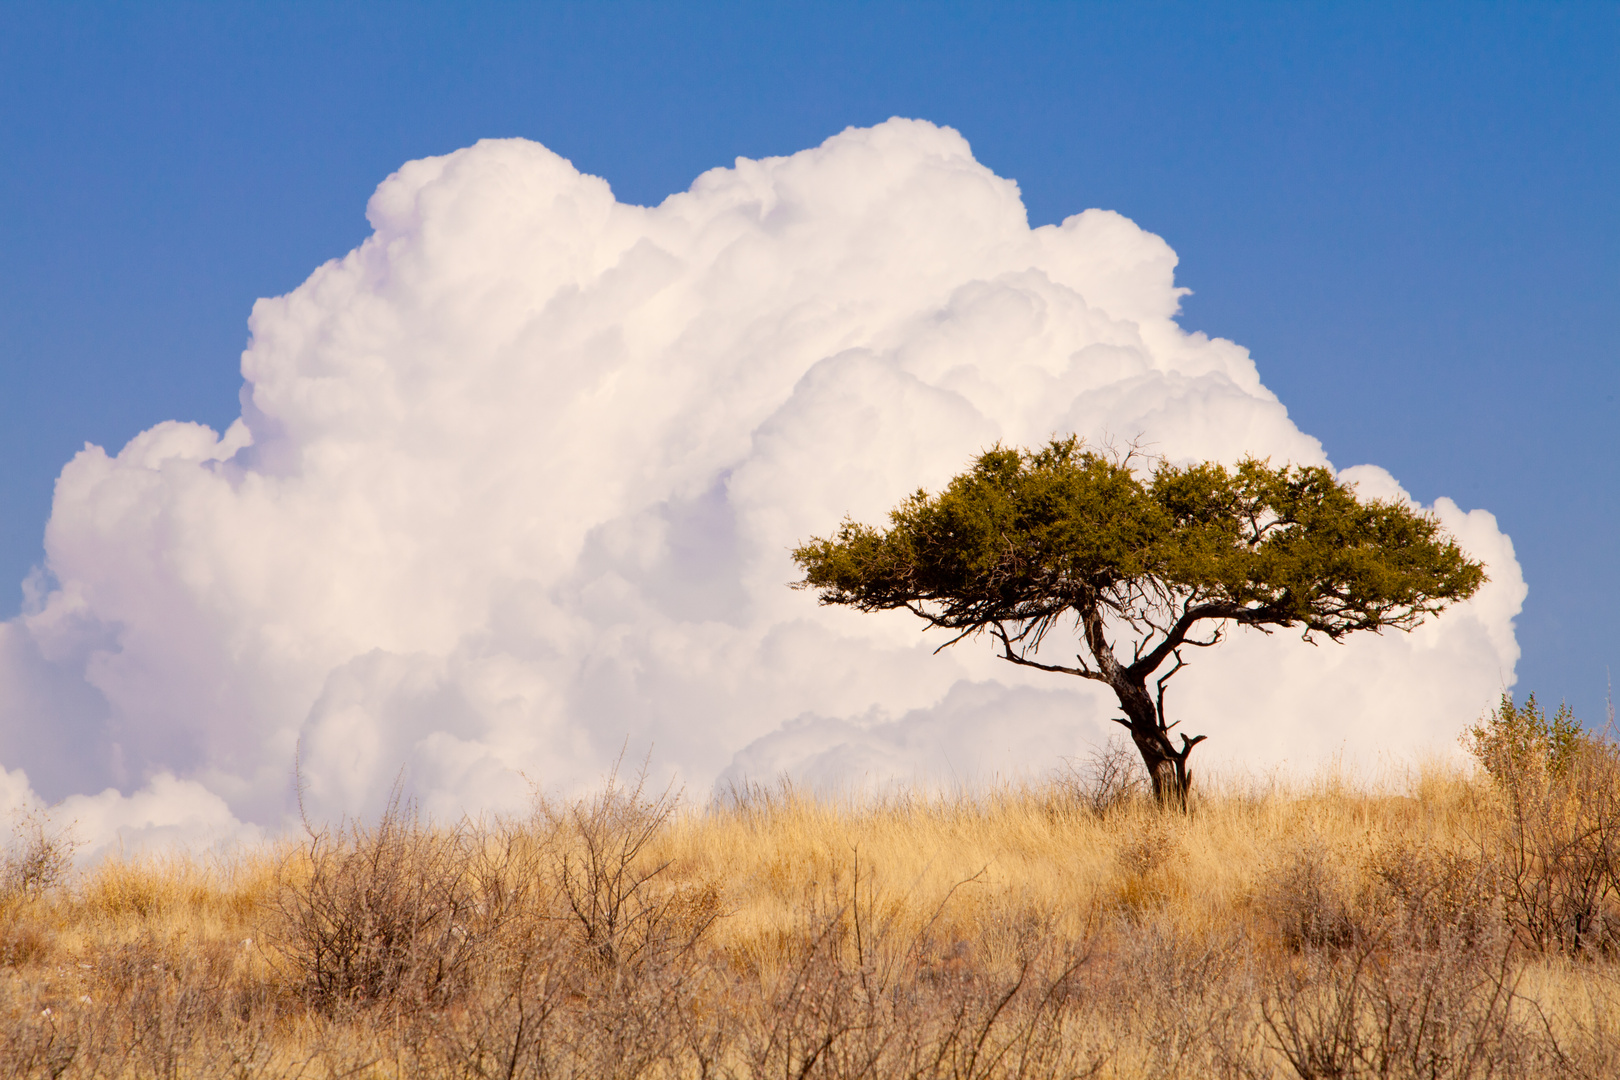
[(1450, 925)]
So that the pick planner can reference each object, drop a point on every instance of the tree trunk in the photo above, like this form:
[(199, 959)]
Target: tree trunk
[(1166, 766)]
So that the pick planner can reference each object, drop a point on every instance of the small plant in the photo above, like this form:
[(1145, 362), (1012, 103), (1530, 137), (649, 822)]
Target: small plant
[(39, 857)]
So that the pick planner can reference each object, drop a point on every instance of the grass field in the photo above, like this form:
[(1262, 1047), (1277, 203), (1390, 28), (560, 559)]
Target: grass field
[(1445, 924)]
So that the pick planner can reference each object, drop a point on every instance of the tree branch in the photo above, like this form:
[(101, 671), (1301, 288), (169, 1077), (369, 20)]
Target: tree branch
[(1177, 636), (1158, 703), (969, 632), (1008, 654)]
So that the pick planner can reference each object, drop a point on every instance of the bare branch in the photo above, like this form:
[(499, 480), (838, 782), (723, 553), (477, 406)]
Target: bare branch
[(1009, 654), (1158, 703), (969, 632)]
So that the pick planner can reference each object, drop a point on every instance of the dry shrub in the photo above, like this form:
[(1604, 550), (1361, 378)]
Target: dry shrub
[(395, 913), (39, 1041), (1149, 860), (1337, 933), (1388, 1008), (1173, 1002), (39, 857), (603, 977), (856, 995), (144, 1009), (1437, 895), (865, 992), (172, 1011), (1310, 901), (38, 860), (610, 886), (23, 940), (899, 1006), (1109, 779)]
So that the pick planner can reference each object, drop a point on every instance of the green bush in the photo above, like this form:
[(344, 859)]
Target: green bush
[(1515, 738), (1556, 839)]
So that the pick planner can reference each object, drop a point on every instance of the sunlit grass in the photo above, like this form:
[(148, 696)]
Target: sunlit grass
[(1119, 939)]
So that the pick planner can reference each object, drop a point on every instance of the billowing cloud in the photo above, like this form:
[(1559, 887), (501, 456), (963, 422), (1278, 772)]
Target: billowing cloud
[(515, 484)]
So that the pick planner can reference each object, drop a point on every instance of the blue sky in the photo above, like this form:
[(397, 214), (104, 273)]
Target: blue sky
[(1407, 212)]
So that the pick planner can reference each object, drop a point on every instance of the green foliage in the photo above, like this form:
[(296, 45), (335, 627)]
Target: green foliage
[(1515, 739), (1023, 537)]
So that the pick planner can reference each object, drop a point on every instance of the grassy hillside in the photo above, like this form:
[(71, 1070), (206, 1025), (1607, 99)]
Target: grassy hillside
[(1454, 925)]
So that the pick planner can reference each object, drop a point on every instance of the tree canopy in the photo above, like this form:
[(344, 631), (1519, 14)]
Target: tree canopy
[(1024, 541)]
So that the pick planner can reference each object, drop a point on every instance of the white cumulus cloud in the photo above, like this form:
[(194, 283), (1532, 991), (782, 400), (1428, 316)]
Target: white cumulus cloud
[(515, 483)]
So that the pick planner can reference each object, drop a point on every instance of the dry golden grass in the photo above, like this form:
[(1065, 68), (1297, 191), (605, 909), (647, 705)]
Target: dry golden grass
[(1332, 929)]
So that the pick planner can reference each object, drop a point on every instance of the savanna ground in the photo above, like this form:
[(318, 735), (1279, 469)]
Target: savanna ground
[(1453, 924)]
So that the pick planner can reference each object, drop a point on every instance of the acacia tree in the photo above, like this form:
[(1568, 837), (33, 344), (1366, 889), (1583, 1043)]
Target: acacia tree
[(1025, 541)]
